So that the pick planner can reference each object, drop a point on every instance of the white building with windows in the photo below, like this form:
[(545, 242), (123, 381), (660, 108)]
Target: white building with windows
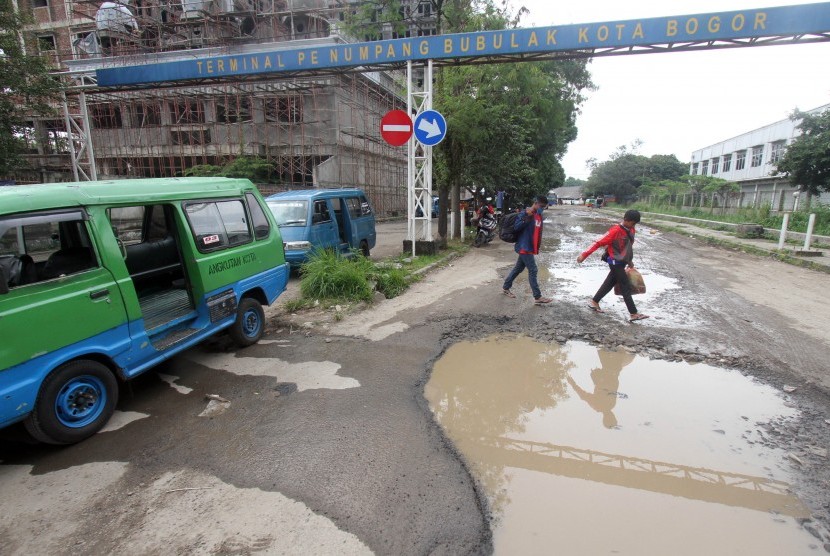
[(749, 160)]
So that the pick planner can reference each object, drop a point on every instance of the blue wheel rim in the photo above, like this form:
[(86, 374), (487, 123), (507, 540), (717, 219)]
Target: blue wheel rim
[(80, 401), (251, 323)]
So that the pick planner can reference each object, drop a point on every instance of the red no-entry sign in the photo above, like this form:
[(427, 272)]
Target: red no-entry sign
[(396, 127)]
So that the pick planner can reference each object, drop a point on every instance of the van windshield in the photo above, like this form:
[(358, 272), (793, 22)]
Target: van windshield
[(289, 213)]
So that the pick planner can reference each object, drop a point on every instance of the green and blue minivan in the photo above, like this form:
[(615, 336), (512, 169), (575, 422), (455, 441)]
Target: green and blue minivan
[(100, 281), (313, 219)]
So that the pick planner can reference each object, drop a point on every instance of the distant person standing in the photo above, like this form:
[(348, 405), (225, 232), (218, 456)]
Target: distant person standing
[(619, 253), (529, 227)]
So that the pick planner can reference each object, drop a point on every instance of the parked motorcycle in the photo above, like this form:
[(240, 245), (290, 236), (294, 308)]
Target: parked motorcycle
[(486, 230)]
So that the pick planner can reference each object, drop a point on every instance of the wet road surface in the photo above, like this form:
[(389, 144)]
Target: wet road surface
[(319, 440)]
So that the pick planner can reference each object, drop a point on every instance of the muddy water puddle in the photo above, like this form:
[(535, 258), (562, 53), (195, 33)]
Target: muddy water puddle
[(586, 451)]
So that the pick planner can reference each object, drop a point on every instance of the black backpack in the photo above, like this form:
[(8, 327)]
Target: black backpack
[(507, 232)]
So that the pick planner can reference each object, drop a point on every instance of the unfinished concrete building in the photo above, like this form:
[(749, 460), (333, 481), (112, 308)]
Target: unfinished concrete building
[(314, 132)]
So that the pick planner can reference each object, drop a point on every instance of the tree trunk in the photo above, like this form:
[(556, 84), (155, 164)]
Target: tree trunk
[(455, 205), (443, 194)]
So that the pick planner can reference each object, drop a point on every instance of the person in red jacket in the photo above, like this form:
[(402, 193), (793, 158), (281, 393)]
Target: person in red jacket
[(619, 253)]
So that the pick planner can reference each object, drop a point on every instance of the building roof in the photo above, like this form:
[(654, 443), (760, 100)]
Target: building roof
[(816, 110), (574, 192)]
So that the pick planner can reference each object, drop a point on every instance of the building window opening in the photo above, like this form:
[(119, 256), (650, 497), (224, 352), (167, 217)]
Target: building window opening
[(715, 165), (105, 116), (740, 160), (146, 115), (288, 109), (727, 162), (190, 137), (757, 156), (187, 112), (233, 110), (46, 43), (777, 151)]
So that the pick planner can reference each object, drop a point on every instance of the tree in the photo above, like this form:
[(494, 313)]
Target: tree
[(621, 176), (574, 182), (807, 159), (509, 124), (722, 189), (26, 86), (256, 169), (625, 171), (666, 167), (367, 20)]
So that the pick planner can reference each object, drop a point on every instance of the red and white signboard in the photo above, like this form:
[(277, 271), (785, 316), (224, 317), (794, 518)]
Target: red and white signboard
[(396, 127)]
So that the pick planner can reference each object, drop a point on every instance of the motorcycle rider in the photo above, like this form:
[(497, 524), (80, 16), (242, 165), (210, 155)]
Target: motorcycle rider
[(481, 211), (485, 223)]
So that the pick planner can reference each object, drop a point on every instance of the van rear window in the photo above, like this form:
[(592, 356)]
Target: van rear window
[(289, 213), (218, 224)]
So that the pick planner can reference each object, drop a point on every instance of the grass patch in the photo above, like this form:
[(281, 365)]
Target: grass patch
[(410, 264), (391, 282), (297, 305), (328, 276), (329, 279)]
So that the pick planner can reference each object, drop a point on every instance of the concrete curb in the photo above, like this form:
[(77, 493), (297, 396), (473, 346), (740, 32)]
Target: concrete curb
[(441, 262)]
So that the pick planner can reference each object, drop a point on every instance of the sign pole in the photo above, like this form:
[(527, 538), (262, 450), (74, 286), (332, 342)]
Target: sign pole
[(410, 165), (419, 161)]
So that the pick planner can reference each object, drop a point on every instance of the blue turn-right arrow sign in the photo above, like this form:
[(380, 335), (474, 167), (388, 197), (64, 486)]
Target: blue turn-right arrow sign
[(430, 128)]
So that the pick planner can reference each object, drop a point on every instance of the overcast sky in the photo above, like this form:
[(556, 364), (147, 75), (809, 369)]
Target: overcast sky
[(679, 102)]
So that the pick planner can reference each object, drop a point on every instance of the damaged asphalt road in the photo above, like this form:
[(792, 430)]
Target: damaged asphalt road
[(327, 444)]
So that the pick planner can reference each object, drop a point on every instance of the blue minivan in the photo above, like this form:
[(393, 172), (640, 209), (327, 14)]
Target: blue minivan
[(309, 219)]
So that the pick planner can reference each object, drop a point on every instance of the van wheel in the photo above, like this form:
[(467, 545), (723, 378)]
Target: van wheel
[(364, 248), (249, 325), (75, 401)]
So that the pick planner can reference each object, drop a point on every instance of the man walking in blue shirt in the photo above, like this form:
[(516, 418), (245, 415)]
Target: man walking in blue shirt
[(529, 227)]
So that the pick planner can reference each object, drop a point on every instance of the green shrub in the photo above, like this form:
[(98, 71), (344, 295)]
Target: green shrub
[(326, 275), (202, 171), (391, 282)]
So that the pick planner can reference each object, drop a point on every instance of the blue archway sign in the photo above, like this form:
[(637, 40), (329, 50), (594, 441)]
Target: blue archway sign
[(749, 27), (430, 128)]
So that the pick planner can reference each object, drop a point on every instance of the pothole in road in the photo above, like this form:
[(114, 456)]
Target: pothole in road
[(585, 451)]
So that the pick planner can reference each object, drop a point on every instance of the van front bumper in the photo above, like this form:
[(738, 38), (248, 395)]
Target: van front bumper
[(296, 258)]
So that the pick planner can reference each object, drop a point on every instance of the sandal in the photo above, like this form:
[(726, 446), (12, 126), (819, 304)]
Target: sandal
[(638, 316), (509, 294), (542, 300), (594, 306)]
